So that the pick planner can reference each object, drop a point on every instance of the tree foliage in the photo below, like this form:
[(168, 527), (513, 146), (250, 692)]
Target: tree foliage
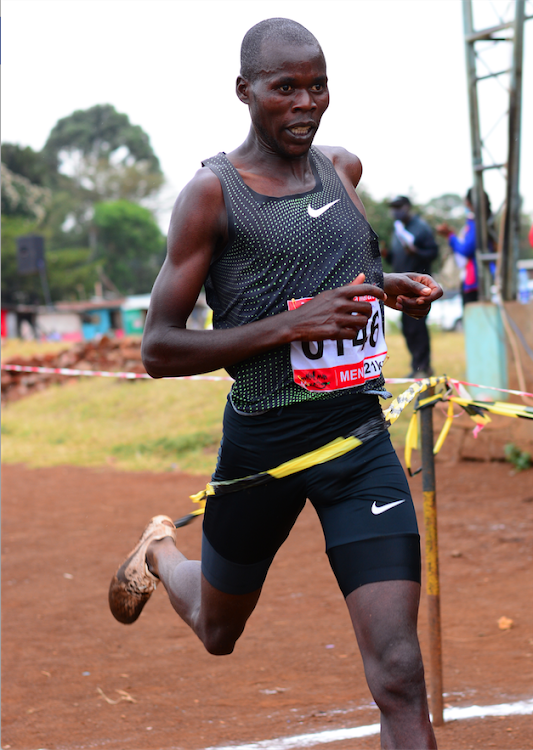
[(72, 273), (26, 162), (21, 197), (105, 154), (129, 245), (80, 193)]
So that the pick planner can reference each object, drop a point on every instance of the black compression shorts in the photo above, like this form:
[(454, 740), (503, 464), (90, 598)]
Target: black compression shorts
[(362, 498)]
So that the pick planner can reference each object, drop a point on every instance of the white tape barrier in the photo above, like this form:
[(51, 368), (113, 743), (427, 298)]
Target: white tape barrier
[(103, 374), (215, 378)]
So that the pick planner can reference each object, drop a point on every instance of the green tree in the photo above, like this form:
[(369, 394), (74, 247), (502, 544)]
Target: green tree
[(106, 156), (31, 188), (23, 160), (72, 273), (23, 198), (129, 245), (93, 156)]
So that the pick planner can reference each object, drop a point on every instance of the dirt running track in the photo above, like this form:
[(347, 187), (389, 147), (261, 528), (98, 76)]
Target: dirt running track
[(296, 668)]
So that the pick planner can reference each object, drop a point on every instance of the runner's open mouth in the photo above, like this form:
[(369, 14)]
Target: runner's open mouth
[(301, 129)]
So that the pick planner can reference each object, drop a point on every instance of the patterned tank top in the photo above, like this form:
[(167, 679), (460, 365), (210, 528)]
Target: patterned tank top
[(283, 249)]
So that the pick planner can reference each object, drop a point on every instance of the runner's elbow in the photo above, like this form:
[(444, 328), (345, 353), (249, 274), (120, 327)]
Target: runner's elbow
[(154, 359), (152, 366), (167, 358)]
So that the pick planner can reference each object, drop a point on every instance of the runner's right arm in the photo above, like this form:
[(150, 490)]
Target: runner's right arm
[(197, 233)]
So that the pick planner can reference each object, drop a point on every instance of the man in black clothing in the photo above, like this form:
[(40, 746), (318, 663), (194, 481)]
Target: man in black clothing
[(276, 233), (413, 247)]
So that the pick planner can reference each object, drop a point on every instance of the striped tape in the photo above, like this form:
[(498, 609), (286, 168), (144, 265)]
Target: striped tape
[(218, 378), (454, 381), (103, 374)]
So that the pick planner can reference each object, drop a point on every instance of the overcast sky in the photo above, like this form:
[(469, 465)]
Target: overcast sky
[(396, 70)]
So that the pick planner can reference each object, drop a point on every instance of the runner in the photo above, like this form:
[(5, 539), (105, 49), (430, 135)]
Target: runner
[(276, 233)]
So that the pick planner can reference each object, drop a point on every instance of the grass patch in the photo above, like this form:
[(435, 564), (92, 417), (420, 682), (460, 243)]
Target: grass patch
[(17, 348), (141, 425), (520, 459), (155, 425), (166, 447)]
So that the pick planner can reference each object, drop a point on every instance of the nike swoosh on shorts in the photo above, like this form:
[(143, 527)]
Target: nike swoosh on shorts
[(316, 212), (377, 509)]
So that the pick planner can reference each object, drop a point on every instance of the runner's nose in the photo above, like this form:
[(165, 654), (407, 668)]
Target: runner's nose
[(304, 100)]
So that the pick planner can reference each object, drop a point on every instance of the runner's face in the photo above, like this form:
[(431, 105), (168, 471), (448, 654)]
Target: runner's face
[(288, 98)]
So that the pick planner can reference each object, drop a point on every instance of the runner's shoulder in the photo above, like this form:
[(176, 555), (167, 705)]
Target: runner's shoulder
[(201, 199), (344, 161), (199, 209), (203, 189)]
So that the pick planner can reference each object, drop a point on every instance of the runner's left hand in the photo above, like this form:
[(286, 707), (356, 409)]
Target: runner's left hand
[(412, 293)]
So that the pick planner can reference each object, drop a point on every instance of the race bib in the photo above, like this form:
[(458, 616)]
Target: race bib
[(334, 365)]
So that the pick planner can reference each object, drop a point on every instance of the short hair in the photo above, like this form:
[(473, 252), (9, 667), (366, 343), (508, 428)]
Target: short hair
[(284, 29), (399, 201)]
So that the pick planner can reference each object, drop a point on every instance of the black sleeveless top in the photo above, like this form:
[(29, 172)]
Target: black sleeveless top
[(276, 252)]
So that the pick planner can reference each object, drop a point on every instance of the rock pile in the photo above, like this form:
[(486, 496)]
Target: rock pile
[(107, 354)]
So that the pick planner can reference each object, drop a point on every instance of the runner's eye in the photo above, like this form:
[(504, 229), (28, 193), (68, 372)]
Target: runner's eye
[(286, 87)]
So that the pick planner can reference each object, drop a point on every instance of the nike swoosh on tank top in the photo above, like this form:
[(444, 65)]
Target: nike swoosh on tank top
[(278, 252)]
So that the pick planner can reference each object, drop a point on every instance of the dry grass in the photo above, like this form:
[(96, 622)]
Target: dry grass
[(17, 348), (159, 425)]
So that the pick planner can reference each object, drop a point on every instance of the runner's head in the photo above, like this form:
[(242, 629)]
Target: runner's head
[(290, 33), (283, 80)]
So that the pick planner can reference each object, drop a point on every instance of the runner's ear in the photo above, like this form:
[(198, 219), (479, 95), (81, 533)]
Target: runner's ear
[(241, 89)]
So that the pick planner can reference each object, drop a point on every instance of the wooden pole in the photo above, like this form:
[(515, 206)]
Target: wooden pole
[(432, 563)]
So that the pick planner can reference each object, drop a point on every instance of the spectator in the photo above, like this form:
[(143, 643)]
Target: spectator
[(464, 247), (412, 248)]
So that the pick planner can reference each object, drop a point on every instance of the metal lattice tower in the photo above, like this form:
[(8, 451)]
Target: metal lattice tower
[(486, 48)]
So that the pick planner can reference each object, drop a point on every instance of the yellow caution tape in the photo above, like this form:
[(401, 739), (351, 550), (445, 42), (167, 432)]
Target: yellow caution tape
[(445, 430), (340, 446), (419, 386), (336, 448), (411, 440), (328, 452), (496, 407)]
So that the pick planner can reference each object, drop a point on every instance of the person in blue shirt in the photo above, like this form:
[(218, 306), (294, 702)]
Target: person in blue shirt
[(464, 245)]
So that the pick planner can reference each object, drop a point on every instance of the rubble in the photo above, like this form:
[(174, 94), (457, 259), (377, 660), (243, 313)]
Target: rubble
[(106, 354)]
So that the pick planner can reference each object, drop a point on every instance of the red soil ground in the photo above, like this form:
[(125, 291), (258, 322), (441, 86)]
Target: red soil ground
[(74, 678)]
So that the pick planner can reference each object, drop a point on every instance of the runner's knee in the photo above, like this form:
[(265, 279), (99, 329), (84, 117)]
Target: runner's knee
[(397, 677), (220, 640)]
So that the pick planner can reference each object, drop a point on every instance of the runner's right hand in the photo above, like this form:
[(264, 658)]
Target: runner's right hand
[(335, 314)]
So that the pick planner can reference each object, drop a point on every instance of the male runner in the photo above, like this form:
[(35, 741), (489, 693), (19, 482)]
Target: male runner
[(276, 233)]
